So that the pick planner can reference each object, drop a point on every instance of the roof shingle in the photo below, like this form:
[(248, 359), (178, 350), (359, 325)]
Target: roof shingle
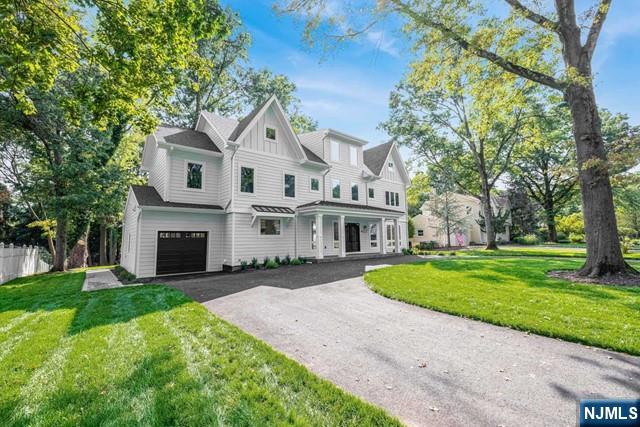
[(375, 157), (187, 138), (149, 196)]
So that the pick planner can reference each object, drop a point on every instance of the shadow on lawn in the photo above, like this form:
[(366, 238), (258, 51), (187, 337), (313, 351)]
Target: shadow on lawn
[(62, 291), (531, 273)]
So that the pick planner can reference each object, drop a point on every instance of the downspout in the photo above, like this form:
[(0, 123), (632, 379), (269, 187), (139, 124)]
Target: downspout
[(229, 203)]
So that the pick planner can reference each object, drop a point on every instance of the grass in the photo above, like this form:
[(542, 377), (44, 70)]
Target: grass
[(515, 292), (542, 251), (148, 355)]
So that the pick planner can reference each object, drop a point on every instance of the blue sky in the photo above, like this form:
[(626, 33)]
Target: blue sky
[(348, 90)]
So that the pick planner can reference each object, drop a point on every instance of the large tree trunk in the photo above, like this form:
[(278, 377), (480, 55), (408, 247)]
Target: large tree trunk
[(78, 258), (488, 217), (604, 255), (103, 244), (60, 253), (550, 213)]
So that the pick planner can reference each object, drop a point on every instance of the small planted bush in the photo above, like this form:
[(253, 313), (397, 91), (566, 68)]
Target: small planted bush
[(406, 251), (530, 239), (243, 265), (286, 260), (296, 261), (562, 237), (270, 264), (122, 274), (277, 260), (254, 262), (266, 261), (576, 237), (626, 245), (428, 246)]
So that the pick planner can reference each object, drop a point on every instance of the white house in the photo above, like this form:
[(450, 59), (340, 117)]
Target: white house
[(230, 191), (428, 228)]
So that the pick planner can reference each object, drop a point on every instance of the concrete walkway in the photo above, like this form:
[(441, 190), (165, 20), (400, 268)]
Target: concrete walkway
[(428, 368), (96, 280)]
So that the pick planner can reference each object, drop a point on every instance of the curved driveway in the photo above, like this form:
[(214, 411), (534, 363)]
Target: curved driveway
[(427, 368)]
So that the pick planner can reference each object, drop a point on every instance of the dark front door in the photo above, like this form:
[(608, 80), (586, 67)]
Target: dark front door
[(352, 234), (181, 252)]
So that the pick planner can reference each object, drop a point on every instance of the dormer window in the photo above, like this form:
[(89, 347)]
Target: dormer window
[(194, 175), (270, 133)]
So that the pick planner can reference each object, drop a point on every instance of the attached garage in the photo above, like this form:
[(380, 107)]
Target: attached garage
[(181, 252)]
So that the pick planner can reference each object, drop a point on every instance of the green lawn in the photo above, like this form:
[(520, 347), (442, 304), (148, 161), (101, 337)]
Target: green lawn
[(515, 292), (543, 251), (148, 355)]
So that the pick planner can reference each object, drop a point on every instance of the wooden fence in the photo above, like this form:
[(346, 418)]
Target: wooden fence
[(19, 261)]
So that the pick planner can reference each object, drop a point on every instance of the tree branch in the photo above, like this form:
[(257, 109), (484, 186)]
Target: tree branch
[(596, 27), (465, 44), (543, 21)]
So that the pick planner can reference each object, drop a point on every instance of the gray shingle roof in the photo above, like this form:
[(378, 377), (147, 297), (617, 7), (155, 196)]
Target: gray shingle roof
[(375, 157), (272, 209), (348, 206), (149, 196), (224, 125), (242, 125), (312, 156), (187, 138)]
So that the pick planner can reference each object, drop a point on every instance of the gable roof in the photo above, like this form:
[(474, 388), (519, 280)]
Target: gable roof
[(312, 156), (149, 196), (375, 157), (224, 125), (186, 137), (242, 125)]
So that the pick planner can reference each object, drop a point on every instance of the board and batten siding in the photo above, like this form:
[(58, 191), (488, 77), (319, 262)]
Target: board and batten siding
[(210, 194), (255, 138), (154, 221)]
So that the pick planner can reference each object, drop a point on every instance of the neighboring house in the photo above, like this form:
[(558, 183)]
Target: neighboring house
[(428, 228), (230, 191)]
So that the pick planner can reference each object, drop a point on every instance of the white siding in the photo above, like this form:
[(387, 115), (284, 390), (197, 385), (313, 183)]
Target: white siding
[(158, 159), (255, 139), (212, 176), (249, 243), (154, 221), (129, 234)]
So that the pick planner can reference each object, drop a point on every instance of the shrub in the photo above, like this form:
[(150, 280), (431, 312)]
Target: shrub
[(277, 260), (576, 238), (123, 274), (572, 224), (302, 259), (562, 236), (296, 261), (286, 260), (452, 253), (529, 239), (406, 251), (243, 265), (626, 245), (266, 261), (254, 262), (428, 246), (271, 264)]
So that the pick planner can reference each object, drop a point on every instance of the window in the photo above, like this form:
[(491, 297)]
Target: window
[(371, 193), (246, 179), (335, 188), (270, 133), (314, 234), (194, 175), (373, 235), (354, 191), (420, 233), (289, 185), (315, 184), (391, 198), (335, 151), (390, 166), (391, 235), (269, 227), (336, 235), (353, 156)]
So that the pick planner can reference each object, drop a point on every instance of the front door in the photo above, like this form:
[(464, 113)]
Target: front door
[(352, 234)]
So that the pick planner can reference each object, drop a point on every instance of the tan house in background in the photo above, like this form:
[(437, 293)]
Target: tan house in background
[(428, 228)]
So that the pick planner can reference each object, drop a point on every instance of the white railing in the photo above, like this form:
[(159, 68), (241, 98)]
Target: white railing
[(19, 261)]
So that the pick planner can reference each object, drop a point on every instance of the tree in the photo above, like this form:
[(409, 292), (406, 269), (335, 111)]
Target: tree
[(464, 125), (71, 103), (451, 214), (627, 198), (545, 165), (439, 26), (418, 193), (524, 218)]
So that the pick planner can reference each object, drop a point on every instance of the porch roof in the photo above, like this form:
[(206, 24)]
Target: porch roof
[(327, 207)]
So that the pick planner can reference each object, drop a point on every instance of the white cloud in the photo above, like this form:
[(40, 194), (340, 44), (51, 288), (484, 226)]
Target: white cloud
[(383, 42)]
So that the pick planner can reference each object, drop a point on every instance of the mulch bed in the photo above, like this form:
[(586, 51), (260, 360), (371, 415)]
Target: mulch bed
[(630, 280)]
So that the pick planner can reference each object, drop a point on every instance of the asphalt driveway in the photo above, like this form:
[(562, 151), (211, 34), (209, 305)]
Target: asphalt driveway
[(425, 367)]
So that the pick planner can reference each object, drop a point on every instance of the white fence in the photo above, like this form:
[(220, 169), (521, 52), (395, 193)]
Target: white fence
[(18, 261)]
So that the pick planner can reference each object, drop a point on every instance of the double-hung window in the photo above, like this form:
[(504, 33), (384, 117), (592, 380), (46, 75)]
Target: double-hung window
[(354, 191), (371, 193), (289, 185), (392, 198), (335, 188), (314, 184), (247, 178), (195, 172), (420, 233)]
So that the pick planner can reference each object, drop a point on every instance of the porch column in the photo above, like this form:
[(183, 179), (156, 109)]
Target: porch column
[(383, 236), (343, 244), (319, 240), (397, 232)]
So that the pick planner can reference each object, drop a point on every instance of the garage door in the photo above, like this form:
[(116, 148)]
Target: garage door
[(181, 252)]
